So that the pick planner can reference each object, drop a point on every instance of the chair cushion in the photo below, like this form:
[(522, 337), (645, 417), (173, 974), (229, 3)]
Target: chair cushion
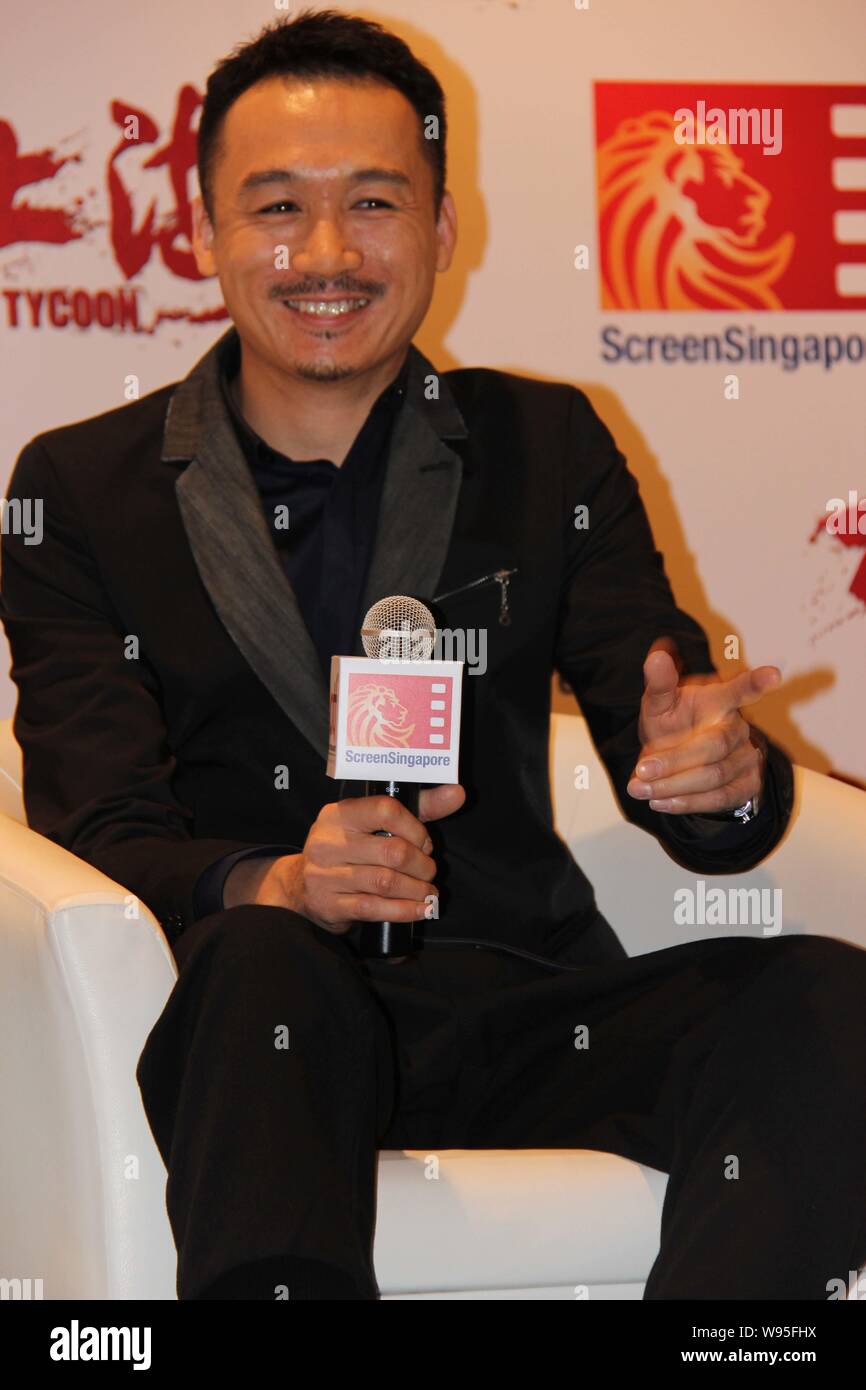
[(513, 1218)]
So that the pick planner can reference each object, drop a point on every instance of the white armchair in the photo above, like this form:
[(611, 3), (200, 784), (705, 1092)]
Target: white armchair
[(82, 1197)]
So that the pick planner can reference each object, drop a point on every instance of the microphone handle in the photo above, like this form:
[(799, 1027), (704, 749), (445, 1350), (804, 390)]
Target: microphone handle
[(384, 940)]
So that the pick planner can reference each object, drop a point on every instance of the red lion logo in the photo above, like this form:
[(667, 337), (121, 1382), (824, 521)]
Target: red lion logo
[(376, 718), (680, 224)]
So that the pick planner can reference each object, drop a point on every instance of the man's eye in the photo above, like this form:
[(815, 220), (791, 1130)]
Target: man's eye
[(285, 203)]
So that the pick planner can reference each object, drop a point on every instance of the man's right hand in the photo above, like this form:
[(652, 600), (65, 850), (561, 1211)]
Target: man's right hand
[(345, 873)]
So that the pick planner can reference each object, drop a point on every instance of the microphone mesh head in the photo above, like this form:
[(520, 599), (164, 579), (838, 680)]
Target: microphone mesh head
[(399, 629)]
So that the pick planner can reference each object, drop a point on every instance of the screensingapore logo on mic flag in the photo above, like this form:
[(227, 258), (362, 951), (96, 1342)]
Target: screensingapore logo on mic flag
[(404, 711), (394, 717), (746, 197)]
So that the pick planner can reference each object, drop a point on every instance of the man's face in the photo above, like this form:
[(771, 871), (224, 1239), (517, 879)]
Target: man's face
[(347, 237)]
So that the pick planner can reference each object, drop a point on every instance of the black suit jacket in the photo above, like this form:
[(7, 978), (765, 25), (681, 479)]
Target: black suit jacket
[(165, 675)]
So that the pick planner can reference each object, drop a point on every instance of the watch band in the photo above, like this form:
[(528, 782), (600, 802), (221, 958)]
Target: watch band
[(748, 811), (745, 813)]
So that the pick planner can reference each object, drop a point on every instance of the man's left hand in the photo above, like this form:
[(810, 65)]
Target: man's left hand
[(697, 755)]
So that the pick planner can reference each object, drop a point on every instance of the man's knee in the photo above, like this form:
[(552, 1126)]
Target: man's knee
[(827, 977), (254, 940), (822, 958), (253, 931)]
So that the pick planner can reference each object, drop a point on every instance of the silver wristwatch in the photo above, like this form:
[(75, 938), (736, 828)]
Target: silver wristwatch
[(747, 811)]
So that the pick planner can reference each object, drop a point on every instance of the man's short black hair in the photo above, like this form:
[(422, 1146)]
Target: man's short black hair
[(322, 44)]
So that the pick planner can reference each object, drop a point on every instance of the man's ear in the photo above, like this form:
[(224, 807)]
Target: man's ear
[(202, 239), (446, 233)]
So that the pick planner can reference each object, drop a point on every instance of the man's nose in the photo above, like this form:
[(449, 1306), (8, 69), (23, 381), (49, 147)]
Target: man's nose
[(326, 250)]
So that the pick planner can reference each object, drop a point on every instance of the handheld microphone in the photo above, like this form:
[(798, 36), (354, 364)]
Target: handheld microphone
[(398, 710)]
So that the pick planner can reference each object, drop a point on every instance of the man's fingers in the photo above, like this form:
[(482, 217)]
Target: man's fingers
[(436, 802), (706, 777), (379, 882), (661, 680), (707, 745), (667, 644), (747, 687), (710, 803), (366, 814), (367, 907), (389, 852)]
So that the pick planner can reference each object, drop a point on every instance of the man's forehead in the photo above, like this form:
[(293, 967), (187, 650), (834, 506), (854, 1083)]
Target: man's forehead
[(347, 170), (309, 145), (313, 98)]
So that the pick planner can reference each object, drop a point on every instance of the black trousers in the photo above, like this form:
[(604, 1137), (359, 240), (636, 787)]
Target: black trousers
[(282, 1062)]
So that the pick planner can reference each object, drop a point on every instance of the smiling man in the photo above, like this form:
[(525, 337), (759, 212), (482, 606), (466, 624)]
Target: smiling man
[(322, 229), (239, 523)]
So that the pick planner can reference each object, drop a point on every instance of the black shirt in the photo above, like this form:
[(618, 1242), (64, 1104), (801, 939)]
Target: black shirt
[(325, 549), (332, 514)]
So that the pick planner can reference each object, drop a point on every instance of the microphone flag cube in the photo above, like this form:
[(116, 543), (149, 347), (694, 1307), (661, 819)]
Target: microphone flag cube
[(394, 720)]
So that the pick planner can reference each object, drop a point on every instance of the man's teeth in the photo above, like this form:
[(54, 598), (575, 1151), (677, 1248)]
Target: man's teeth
[(323, 308)]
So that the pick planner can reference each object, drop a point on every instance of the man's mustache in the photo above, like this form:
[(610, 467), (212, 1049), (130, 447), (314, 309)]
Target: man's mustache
[(340, 287)]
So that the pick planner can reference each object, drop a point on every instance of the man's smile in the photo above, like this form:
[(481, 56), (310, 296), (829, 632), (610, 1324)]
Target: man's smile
[(313, 311)]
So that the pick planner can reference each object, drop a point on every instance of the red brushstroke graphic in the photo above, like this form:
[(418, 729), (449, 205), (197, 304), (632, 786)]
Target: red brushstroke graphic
[(134, 246), (851, 536), (162, 233), (22, 221)]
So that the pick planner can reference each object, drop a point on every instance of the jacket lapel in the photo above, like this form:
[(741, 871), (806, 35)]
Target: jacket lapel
[(234, 551)]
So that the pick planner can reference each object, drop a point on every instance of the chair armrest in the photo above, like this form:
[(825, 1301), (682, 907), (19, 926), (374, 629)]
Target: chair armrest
[(85, 972)]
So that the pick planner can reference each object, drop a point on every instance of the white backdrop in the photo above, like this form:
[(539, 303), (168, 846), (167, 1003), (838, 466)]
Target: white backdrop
[(733, 487)]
